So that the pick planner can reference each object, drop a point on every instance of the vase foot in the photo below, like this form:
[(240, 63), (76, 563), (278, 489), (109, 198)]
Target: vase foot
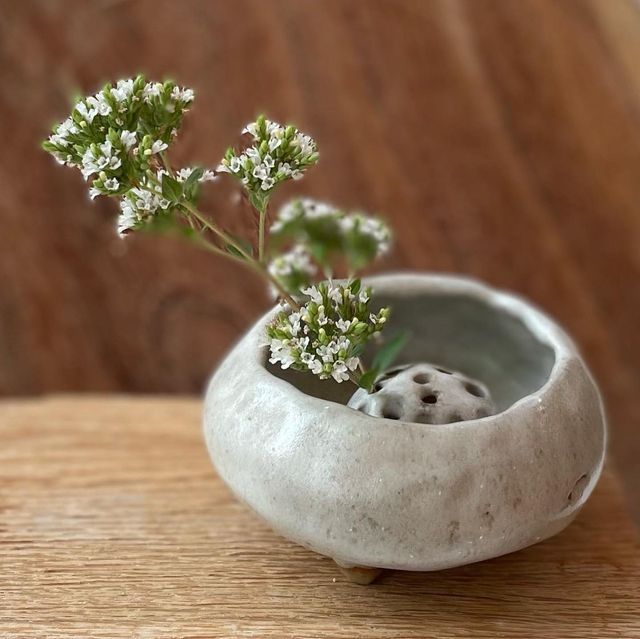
[(362, 575)]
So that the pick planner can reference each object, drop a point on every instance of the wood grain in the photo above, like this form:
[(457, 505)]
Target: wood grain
[(113, 524), (501, 139)]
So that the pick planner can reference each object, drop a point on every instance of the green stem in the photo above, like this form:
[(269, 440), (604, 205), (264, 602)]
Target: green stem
[(213, 228), (200, 241), (261, 224), (257, 265), (247, 259)]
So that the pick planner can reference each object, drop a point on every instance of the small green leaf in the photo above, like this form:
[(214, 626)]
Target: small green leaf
[(355, 286), (171, 189), (367, 380), (357, 350), (243, 244), (259, 200), (232, 250), (387, 354), (162, 222)]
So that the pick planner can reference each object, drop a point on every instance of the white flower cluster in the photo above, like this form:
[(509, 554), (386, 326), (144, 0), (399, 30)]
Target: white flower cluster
[(303, 209), (182, 175), (141, 204), (371, 227), (130, 106), (277, 153), (115, 137), (331, 235), (327, 334), (297, 260), (303, 217), (293, 269)]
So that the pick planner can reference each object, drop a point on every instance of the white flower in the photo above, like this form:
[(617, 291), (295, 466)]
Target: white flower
[(111, 184), (294, 320), (93, 193), (321, 318), (99, 103), (313, 293), (106, 160), (182, 175), (58, 139), (127, 219), (352, 363), (158, 146), (315, 366), (151, 89), (260, 172), (123, 90), (304, 143), (325, 352), (340, 372), (64, 129), (300, 343), (67, 127), (268, 162), (182, 95), (89, 164), (297, 260), (273, 129), (343, 325), (128, 138), (267, 183), (251, 129), (337, 294), (284, 169), (253, 154), (87, 113), (284, 356)]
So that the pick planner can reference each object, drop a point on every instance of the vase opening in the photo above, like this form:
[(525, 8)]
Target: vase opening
[(458, 331)]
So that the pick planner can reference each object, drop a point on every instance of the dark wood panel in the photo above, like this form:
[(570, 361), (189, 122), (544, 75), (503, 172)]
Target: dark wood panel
[(501, 139)]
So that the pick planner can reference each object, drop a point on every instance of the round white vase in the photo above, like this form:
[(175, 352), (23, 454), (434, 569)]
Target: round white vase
[(378, 492)]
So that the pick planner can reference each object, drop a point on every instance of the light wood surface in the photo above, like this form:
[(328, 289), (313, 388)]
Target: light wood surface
[(113, 524), (500, 137)]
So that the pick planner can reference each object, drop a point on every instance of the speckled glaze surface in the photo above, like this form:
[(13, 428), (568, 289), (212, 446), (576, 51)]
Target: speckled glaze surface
[(384, 493)]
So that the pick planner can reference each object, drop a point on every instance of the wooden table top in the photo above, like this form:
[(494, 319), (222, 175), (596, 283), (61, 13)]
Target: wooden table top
[(114, 524)]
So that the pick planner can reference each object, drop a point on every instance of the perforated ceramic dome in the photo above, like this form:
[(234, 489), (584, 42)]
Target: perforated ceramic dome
[(425, 394)]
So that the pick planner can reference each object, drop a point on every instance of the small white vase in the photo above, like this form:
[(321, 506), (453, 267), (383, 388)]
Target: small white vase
[(383, 493)]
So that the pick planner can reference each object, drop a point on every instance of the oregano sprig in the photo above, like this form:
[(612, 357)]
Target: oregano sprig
[(119, 138)]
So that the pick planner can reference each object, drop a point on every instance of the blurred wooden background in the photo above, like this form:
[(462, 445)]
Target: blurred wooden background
[(501, 138)]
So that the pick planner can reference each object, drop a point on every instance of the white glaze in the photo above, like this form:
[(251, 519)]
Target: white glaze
[(378, 492)]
